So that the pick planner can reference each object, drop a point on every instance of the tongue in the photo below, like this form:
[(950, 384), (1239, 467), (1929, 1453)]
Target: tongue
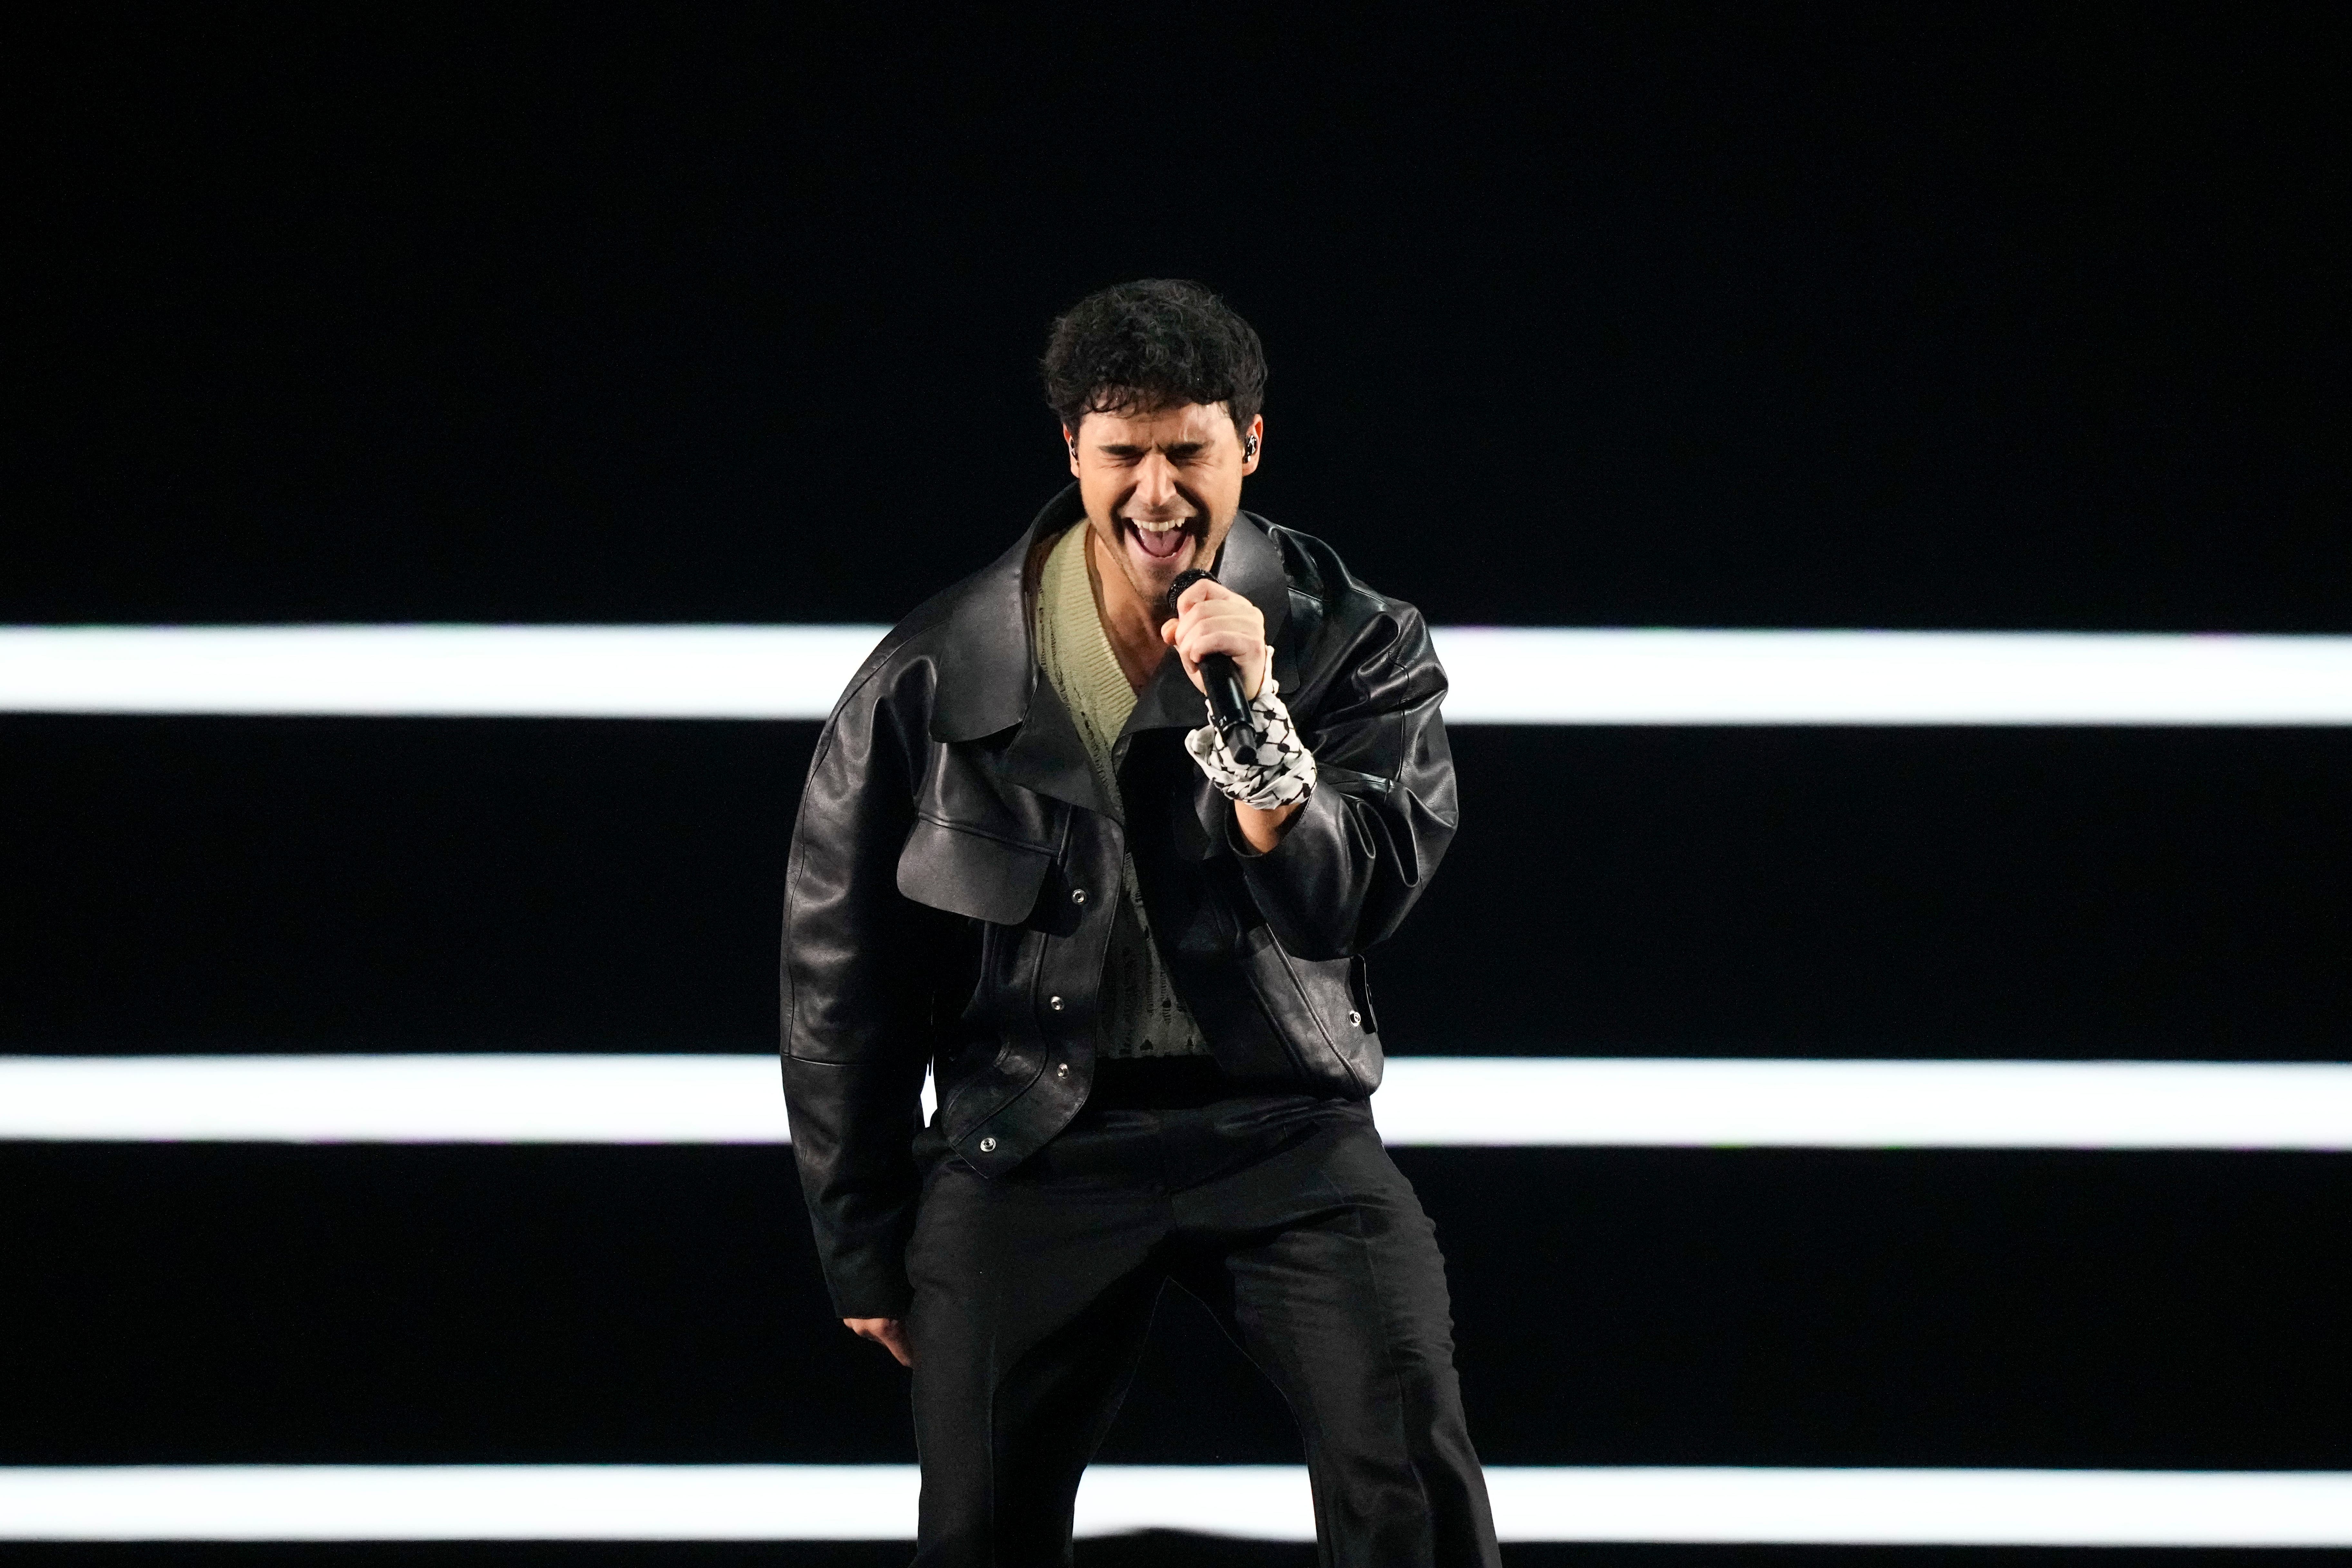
[(1161, 546)]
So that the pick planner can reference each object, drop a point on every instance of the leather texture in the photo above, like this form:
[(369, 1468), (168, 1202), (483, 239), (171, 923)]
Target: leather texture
[(955, 868)]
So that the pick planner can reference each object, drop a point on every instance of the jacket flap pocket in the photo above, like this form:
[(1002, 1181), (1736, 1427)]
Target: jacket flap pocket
[(1313, 1006), (973, 873)]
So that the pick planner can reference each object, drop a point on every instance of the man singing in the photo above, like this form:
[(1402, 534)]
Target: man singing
[(1128, 946)]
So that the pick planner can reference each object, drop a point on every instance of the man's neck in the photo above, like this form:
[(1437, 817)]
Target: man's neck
[(1131, 624)]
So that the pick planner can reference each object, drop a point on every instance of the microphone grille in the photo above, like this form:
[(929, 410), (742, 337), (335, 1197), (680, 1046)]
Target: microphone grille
[(1184, 580)]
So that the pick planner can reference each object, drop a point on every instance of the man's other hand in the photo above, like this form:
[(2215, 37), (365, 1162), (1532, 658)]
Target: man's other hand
[(890, 1333)]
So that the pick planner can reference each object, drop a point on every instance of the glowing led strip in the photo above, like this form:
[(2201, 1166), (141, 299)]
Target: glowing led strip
[(1428, 1100), (558, 672), (858, 1502), (1500, 675)]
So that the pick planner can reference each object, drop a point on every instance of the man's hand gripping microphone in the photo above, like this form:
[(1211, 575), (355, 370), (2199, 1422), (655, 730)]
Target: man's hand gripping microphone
[(1222, 679)]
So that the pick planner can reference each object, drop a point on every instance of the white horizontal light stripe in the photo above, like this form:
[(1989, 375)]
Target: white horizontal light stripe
[(852, 1502), (1731, 1103), (1531, 675), (552, 672), (1500, 675), (483, 1099), (1494, 1101), (458, 1502), (1925, 1507)]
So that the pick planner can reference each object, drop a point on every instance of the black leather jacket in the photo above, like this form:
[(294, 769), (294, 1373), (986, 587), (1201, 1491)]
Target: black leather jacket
[(955, 867)]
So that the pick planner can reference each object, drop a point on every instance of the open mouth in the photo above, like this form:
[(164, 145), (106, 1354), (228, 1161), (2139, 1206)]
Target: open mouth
[(1159, 540)]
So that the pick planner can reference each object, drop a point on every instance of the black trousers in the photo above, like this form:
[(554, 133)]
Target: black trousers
[(1287, 1218)]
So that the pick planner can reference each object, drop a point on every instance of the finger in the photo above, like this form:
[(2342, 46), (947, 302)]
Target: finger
[(1245, 648), (1225, 630), (888, 1332), (1217, 637), (1208, 594), (1236, 613), (1202, 641), (1201, 592)]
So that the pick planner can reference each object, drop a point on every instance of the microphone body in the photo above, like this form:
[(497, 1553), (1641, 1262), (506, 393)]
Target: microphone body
[(1228, 708)]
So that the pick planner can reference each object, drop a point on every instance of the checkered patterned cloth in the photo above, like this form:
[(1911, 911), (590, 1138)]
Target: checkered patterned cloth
[(1278, 770)]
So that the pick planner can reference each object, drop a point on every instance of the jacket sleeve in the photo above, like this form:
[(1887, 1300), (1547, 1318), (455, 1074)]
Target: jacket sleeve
[(1359, 853), (858, 960)]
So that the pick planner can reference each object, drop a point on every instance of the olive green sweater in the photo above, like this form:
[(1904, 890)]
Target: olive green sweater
[(1141, 1015)]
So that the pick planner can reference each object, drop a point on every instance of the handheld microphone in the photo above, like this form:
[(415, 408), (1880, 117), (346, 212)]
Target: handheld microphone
[(1228, 708)]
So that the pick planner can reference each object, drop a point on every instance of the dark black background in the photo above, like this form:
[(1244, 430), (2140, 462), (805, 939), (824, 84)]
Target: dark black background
[(233, 884), (1975, 318), (1967, 317)]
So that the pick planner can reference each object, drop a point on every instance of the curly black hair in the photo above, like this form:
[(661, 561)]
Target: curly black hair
[(1154, 343)]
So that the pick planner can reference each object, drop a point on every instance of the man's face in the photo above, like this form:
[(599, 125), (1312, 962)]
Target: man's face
[(1161, 489)]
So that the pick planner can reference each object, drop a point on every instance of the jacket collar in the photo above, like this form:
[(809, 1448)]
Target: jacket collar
[(990, 669), (989, 677)]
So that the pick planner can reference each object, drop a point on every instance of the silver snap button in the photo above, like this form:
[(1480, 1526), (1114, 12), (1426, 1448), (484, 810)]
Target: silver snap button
[(988, 1145), (1077, 895), (1055, 1003), (1355, 1017), (1062, 1071)]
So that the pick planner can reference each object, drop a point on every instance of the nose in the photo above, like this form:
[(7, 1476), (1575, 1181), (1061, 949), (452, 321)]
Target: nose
[(1155, 484)]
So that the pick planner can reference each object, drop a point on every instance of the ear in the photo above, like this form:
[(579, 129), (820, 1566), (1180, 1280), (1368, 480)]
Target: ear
[(1070, 439), (1252, 444)]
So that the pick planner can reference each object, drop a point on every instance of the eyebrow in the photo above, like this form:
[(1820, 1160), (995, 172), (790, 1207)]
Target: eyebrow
[(1174, 449)]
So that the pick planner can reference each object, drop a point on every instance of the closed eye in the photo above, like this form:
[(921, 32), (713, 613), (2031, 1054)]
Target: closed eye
[(1180, 452)]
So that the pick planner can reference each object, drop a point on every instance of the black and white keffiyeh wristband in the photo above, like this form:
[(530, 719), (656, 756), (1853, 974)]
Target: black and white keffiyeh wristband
[(1281, 771)]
